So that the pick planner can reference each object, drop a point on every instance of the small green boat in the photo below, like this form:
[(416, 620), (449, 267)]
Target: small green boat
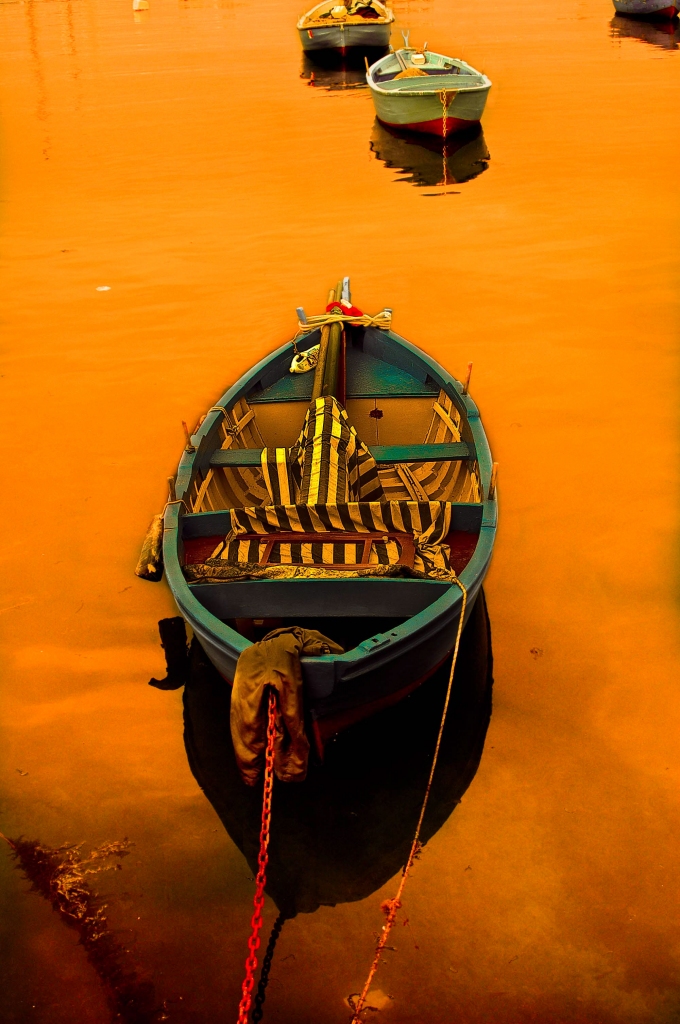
[(428, 92), (357, 498)]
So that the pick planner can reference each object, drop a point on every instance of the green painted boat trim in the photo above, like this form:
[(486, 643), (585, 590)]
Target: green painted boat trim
[(465, 515), (383, 454)]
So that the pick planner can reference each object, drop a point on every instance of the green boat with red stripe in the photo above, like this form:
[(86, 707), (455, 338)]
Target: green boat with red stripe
[(427, 92)]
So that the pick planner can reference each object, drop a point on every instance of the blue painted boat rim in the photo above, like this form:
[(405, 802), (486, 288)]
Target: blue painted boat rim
[(433, 91), (437, 80), (429, 620)]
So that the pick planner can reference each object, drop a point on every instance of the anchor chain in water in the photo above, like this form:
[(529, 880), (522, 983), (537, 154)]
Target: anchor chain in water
[(260, 995), (262, 858)]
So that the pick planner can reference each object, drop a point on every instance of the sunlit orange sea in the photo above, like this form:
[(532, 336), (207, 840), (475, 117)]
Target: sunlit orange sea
[(177, 157)]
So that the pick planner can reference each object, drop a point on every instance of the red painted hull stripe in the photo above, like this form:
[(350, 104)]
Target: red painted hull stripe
[(435, 127), (666, 13)]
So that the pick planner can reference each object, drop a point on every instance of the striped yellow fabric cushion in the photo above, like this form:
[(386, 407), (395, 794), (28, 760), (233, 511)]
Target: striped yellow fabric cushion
[(428, 522), (330, 463), (277, 477), (311, 553)]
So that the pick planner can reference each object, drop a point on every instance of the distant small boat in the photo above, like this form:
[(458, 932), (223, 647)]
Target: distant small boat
[(657, 9), (452, 99), (364, 24)]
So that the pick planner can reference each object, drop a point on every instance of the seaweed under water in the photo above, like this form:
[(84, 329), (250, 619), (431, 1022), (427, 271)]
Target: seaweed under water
[(60, 875)]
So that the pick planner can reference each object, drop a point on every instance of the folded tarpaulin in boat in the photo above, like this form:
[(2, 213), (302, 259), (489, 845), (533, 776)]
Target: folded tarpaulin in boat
[(215, 570), (274, 661), (275, 463), (428, 522), (329, 462)]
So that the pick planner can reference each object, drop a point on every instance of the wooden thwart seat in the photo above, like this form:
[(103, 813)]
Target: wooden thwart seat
[(383, 454)]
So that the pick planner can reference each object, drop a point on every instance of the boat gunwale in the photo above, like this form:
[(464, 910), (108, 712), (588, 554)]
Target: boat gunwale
[(486, 83), (358, 659)]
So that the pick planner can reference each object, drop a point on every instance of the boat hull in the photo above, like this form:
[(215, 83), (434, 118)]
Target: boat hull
[(658, 9), (424, 112), (341, 38), (374, 778), (342, 691)]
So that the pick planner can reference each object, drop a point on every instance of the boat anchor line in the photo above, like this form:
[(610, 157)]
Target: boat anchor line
[(391, 907), (262, 859), (447, 97), (260, 995)]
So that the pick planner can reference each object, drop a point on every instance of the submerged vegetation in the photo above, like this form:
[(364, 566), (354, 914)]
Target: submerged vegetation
[(60, 875)]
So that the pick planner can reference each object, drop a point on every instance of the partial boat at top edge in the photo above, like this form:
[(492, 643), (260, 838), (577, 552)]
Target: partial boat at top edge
[(358, 24), (654, 9), (373, 566)]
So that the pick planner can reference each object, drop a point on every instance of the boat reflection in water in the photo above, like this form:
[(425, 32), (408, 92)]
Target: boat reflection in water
[(347, 829), (424, 160), (328, 70), (664, 34)]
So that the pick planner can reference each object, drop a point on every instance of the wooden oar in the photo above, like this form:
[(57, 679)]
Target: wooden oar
[(332, 365), (317, 388)]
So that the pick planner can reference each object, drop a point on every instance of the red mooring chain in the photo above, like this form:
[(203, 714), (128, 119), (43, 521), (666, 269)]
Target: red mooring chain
[(262, 858)]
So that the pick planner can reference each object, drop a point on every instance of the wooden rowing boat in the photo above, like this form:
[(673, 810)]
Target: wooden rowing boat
[(358, 24), (427, 92), (249, 546)]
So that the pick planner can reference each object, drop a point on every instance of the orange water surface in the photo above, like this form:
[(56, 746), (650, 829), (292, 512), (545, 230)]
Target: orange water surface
[(179, 157)]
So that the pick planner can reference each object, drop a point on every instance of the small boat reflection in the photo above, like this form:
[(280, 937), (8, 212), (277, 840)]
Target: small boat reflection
[(664, 34), (328, 70), (345, 831), (426, 160)]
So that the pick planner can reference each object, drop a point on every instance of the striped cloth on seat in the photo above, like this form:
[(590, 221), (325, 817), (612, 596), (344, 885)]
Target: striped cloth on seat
[(428, 522), (277, 476), (349, 552), (329, 462)]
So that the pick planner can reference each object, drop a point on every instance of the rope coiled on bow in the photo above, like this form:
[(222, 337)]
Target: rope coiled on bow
[(382, 320)]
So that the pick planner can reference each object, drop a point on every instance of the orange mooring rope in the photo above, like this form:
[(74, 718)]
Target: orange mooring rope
[(262, 858), (391, 907)]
